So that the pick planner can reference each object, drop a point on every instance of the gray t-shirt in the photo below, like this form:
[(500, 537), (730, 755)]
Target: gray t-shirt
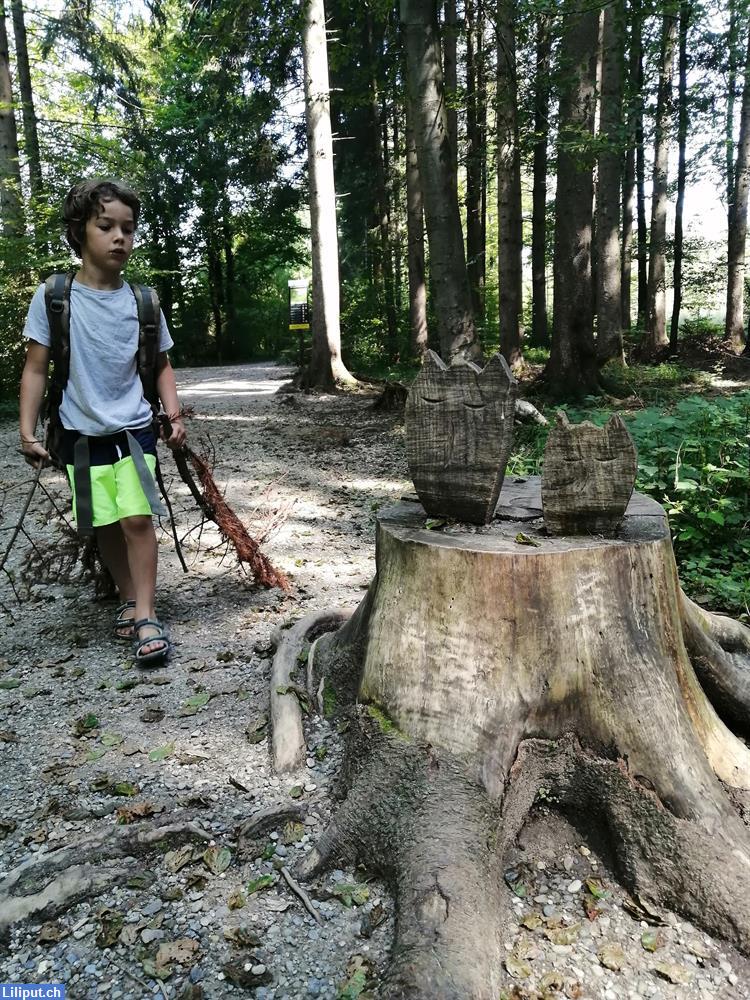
[(104, 392)]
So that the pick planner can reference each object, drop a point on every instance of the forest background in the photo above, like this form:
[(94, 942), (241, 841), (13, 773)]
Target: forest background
[(599, 156)]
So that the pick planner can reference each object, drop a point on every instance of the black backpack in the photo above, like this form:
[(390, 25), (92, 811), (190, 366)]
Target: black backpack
[(57, 302)]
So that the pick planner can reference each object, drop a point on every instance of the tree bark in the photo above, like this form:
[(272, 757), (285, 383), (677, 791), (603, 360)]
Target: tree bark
[(572, 369), (640, 174), (326, 369), (509, 217), (456, 330), (656, 334), (11, 204), (539, 331), (450, 75), (31, 138), (735, 7), (229, 277), (415, 238), (484, 670), (628, 181), (381, 185), (475, 152), (682, 127), (609, 344), (216, 290), (738, 222)]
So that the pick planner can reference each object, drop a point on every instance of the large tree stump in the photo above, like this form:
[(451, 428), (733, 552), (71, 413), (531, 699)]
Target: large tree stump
[(489, 663)]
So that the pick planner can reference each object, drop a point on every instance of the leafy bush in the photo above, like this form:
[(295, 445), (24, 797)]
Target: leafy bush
[(652, 383), (694, 461), (702, 327)]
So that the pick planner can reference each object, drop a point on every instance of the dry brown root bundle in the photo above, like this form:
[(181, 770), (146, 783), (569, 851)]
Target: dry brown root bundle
[(214, 506)]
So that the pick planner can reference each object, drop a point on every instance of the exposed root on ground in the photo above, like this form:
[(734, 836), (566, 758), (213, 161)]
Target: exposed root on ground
[(719, 649), (53, 881), (288, 741)]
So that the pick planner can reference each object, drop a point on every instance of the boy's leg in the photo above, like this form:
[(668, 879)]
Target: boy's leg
[(113, 550), (140, 541)]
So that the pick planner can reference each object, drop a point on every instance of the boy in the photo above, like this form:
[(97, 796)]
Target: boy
[(103, 407)]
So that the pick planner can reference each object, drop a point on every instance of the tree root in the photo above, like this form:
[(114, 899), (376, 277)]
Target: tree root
[(252, 833), (288, 742), (418, 819), (55, 880), (415, 815), (689, 866), (719, 649)]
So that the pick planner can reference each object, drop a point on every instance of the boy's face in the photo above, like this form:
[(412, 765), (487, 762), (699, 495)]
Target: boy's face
[(108, 238)]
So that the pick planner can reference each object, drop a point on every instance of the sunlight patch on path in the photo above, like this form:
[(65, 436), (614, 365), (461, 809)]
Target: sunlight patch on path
[(223, 390)]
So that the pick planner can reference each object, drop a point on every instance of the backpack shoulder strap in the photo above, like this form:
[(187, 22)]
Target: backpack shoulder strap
[(149, 313), (57, 304)]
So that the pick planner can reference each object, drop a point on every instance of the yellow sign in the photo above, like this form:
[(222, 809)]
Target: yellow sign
[(299, 326)]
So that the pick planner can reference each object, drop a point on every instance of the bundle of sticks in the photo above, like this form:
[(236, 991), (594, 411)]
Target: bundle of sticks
[(214, 506)]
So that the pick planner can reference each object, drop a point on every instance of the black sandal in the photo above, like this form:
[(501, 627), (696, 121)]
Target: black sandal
[(123, 622), (156, 655)]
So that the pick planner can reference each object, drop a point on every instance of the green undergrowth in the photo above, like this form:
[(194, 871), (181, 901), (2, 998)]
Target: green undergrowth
[(693, 459), (653, 383)]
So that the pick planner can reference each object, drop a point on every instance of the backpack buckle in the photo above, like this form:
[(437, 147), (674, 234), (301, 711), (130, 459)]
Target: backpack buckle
[(57, 306)]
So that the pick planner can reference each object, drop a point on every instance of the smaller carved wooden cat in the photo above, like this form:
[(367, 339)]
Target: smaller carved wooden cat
[(459, 432), (588, 477)]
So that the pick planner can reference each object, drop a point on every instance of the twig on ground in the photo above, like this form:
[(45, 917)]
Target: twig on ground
[(131, 975), (19, 524), (299, 891)]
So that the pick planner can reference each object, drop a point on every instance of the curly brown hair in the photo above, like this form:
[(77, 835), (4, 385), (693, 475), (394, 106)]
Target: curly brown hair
[(84, 202)]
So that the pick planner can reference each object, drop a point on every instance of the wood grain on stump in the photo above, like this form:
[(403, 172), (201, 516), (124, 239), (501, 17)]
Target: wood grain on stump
[(486, 664), (459, 432), (588, 478)]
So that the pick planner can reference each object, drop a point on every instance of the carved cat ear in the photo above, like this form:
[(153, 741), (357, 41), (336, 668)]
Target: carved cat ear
[(496, 367), (616, 423), (433, 364), (561, 419)]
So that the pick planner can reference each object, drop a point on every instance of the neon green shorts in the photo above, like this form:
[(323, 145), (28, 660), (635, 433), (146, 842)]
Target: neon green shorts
[(116, 491)]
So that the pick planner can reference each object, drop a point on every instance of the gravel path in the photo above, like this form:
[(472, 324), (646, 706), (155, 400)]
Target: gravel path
[(86, 742)]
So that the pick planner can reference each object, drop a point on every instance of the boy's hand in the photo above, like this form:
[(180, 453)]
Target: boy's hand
[(173, 434), (34, 452)]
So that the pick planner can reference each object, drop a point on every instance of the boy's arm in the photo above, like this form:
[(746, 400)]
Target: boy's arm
[(167, 389), (33, 384)]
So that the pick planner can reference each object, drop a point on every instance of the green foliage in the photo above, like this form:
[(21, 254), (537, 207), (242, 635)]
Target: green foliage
[(651, 383), (694, 460)]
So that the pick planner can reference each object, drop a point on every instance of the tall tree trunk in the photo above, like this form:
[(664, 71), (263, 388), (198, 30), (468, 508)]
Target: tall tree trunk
[(656, 334), (229, 277), (28, 114), (326, 367), (381, 184), (455, 319), (628, 180), (11, 205), (640, 180), (415, 253), (609, 275), (539, 332), (396, 199), (572, 369), (475, 153), (682, 127), (509, 217), (738, 221), (216, 289), (732, 60), (450, 70)]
